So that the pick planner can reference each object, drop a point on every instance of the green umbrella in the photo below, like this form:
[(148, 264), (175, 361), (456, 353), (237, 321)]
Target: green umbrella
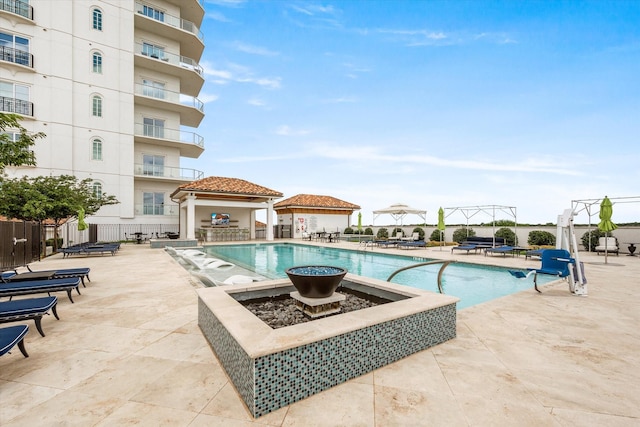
[(605, 225), (441, 225), (81, 224), (359, 220)]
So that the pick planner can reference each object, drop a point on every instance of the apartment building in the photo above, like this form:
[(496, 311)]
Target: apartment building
[(114, 86)]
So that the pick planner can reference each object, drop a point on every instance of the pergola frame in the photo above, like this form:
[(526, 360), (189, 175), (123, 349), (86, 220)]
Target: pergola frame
[(471, 211), (580, 205)]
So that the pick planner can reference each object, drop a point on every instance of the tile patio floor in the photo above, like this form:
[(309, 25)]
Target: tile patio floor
[(129, 352)]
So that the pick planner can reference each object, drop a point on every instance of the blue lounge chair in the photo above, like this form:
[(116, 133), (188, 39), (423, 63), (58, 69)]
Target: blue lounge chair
[(533, 253), (11, 336), (27, 287), (504, 250), (27, 309), (468, 248), (63, 273), (412, 245)]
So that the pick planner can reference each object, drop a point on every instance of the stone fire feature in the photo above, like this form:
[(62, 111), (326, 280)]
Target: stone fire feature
[(272, 368)]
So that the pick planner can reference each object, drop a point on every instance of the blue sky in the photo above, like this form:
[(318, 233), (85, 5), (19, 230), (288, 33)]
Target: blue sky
[(529, 104)]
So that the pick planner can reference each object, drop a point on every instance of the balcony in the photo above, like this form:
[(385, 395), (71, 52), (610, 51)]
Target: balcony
[(190, 108), (166, 173), (186, 69), (158, 22), (17, 7), (190, 144), (17, 106), (193, 10), (163, 210), (16, 56)]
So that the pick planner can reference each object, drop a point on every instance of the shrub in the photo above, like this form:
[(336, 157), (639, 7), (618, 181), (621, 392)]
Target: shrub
[(461, 234), (348, 230), (508, 235), (541, 238), (435, 235), (49, 242), (595, 236), (383, 233), (420, 232), (368, 231)]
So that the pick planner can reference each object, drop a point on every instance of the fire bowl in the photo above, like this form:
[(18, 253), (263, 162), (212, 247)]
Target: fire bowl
[(316, 281)]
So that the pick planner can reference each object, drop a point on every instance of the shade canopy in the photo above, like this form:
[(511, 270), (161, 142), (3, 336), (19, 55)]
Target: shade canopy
[(399, 211)]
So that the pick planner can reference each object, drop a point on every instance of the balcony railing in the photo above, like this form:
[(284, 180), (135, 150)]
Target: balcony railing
[(17, 106), (171, 58), (18, 7), (166, 210), (16, 56), (169, 96), (165, 18), (176, 135), (170, 172)]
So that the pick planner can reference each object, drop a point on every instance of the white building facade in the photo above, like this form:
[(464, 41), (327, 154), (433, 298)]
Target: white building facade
[(114, 86)]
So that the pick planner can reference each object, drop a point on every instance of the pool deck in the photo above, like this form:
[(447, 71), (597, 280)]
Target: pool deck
[(129, 352)]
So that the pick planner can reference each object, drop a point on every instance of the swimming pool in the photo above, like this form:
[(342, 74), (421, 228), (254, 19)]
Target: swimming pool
[(472, 283)]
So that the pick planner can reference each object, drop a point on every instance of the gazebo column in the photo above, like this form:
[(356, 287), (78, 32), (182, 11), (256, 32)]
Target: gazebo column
[(191, 216), (252, 225), (270, 220)]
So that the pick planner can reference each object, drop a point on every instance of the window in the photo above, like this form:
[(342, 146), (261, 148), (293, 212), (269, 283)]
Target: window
[(153, 51), (152, 165), (156, 14), (97, 190), (153, 89), (14, 98), (96, 149), (97, 19), (97, 62), (153, 203), (97, 106), (14, 49), (153, 127)]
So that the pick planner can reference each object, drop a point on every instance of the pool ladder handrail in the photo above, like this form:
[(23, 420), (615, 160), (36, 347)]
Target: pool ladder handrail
[(444, 265)]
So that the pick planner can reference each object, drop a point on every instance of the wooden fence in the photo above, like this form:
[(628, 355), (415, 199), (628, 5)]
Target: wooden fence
[(19, 243)]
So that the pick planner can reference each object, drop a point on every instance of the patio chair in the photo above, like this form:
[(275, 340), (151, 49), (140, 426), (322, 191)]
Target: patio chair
[(466, 247), (414, 237), (501, 250), (555, 262), (412, 245), (27, 309), (11, 336), (62, 273), (608, 245), (28, 287)]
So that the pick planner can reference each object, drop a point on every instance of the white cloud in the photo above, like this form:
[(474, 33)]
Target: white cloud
[(256, 102), (217, 16), (254, 50), (340, 100), (239, 74), (285, 130), (207, 97)]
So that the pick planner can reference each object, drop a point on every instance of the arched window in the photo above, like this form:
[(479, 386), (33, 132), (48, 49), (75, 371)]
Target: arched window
[(96, 110), (97, 189), (96, 149), (97, 62), (97, 19)]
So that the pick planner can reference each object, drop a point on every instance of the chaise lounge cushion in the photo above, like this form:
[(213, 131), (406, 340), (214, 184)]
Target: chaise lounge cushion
[(26, 309), (40, 286), (12, 336), (608, 244)]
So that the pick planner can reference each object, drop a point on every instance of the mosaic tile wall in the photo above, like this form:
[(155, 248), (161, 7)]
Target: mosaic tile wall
[(288, 376)]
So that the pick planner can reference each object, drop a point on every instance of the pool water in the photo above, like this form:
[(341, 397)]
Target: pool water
[(472, 283)]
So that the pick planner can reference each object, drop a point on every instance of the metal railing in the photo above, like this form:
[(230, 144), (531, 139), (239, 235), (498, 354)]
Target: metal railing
[(171, 58), (185, 174), (14, 105), (162, 210), (165, 18), (169, 96), (18, 7), (444, 265), (160, 132), (16, 56)]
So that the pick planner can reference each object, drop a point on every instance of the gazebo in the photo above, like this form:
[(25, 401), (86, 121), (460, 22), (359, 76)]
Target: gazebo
[(398, 211)]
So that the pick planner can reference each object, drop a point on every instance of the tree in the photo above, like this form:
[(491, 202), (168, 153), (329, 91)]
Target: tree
[(50, 197), (16, 152), (508, 235)]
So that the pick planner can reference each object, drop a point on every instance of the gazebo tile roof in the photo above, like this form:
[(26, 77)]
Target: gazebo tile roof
[(314, 201), (219, 184)]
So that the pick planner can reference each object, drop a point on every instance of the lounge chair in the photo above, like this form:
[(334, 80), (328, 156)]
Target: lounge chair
[(502, 250), (608, 245), (27, 309), (412, 245), (467, 247), (533, 253), (28, 287), (63, 273), (11, 336), (413, 238)]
